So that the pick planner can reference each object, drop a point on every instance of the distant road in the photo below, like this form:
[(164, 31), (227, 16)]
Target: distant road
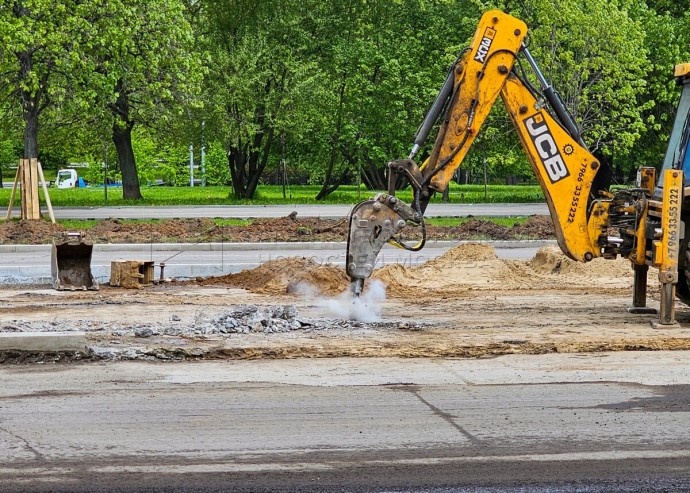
[(326, 211)]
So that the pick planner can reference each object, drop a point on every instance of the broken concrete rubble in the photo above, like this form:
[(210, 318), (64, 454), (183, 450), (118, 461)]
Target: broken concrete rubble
[(244, 319)]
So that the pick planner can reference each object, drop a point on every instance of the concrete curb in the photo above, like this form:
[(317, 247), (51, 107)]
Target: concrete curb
[(43, 341), (240, 247)]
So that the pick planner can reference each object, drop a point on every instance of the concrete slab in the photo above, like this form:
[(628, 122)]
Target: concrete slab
[(43, 341)]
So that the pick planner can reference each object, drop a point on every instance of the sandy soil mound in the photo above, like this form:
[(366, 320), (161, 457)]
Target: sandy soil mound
[(551, 269), (462, 271), (466, 269), (286, 275), (455, 273), (551, 260), (467, 252)]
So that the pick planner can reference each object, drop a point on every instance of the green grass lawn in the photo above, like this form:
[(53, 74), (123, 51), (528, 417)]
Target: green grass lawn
[(270, 194), (457, 221)]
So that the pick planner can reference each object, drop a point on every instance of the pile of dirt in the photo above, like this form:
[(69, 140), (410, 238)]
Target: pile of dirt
[(455, 273), (550, 260), (21, 232), (536, 227), (467, 269), (185, 230), (286, 229), (467, 252), (285, 275), (462, 271), (475, 229)]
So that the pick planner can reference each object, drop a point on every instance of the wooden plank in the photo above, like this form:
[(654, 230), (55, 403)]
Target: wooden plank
[(45, 193), (35, 204), (24, 181), (31, 209), (12, 195)]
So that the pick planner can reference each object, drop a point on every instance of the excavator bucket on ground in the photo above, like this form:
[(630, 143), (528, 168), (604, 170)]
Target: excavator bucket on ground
[(71, 263)]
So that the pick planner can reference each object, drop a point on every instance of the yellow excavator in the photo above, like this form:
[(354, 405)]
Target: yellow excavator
[(643, 224)]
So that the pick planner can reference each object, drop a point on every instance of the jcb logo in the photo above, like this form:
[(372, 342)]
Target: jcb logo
[(546, 147), (485, 45)]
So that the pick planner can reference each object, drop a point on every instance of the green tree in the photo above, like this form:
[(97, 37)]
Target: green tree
[(259, 73), (663, 34), (43, 55), (151, 70), (386, 63)]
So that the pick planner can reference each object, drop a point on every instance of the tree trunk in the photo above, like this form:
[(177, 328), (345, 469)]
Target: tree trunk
[(30, 107), (246, 167), (604, 177), (30, 130), (237, 155), (329, 185), (374, 177), (122, 138)]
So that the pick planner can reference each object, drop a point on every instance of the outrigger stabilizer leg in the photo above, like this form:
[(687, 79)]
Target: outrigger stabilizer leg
[(639, 304)]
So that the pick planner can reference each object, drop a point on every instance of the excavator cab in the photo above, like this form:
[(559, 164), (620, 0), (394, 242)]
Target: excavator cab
[(677, 153), (71, 263)]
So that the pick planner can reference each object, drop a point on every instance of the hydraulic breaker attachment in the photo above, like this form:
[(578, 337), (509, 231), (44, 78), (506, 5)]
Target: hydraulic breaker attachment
[(373, 223), (71, 263)]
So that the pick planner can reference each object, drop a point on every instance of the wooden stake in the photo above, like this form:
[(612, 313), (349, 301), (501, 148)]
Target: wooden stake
[(27, 177), (34, 204), (29, 191), (14, 191), (45, 193)]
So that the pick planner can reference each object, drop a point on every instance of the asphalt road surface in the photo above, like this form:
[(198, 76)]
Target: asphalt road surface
[(326, 211), (608, 422)]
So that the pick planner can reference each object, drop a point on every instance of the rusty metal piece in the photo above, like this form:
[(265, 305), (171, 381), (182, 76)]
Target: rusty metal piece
[(162, 276), (133, 274), (646, 179)]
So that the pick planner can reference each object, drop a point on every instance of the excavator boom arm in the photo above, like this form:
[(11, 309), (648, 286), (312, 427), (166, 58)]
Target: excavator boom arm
[(564, 169), (479, 77), (482, 73), (589, 221)]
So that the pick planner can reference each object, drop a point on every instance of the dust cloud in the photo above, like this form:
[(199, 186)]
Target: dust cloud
[(367, 308)]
